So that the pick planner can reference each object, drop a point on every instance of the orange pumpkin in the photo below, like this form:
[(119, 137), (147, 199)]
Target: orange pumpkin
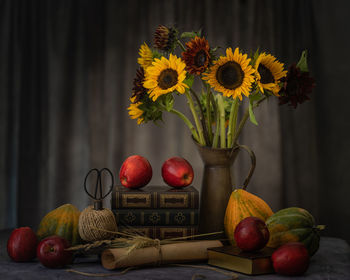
[(243, 204)]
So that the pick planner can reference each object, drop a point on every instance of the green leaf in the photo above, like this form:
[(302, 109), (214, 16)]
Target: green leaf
[(189, 80), (188, 35), (156, 54), (302, 64), (251, 114), (254, 97), (199, 33), (255, 56), (169, 102)]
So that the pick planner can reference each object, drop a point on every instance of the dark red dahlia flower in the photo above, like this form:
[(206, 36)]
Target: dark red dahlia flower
[(138, 90), (296, 88), (196, 56)]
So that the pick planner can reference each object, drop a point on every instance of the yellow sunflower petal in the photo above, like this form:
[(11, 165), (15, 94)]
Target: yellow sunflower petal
[(172, 68), (146, 56), (181, 89), (269, 71), (233, 61), (150, 83), (135, 112)]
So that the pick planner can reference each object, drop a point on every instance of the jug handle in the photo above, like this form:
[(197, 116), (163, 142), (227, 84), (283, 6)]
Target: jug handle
[(253, 162)]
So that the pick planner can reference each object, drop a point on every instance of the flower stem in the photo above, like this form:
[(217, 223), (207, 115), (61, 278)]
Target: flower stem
[(222, 121), (210, 132), (193, 110), (244, 119), (217, 119), (217, 129), (187, 122), (232, 122), (202, 118), (234, 127), (240, 127), (181, 45)]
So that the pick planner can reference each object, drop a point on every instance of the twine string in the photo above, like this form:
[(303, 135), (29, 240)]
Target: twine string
[(233, 276), (92, 222), (198, 276), (160, 256), (149, 242), (100, 274), (161, 241)]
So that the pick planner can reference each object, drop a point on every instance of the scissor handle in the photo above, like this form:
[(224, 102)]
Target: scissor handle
[(98, 186)]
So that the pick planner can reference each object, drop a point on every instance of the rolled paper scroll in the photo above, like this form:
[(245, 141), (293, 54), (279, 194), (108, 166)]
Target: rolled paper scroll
[(162, 254)]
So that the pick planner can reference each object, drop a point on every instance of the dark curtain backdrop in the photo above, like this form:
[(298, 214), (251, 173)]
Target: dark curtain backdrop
[(66, 72)]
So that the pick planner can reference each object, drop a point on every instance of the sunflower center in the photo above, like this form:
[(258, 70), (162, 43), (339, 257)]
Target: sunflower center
[(167, 79), (200, 59), (265, 74), (230, 75)]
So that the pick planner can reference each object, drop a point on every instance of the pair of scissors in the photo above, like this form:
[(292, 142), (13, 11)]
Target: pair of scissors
[(98, 195)]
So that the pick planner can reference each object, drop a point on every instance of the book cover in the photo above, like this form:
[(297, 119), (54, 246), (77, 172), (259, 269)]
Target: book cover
[(232, 258), (156, 217), (160, 232), (154, 197)]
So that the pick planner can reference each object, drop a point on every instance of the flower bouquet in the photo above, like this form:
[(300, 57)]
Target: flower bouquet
[(215, 86), (224, 79)]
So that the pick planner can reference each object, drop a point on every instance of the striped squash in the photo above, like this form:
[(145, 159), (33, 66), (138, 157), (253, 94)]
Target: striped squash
[(294, 225), (62, 221), (243, 204)]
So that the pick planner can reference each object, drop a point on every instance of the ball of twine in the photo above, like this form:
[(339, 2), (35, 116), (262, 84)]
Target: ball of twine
[(90, 220)]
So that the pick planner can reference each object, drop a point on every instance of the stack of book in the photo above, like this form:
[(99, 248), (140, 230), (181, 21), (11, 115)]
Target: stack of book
[(157, 211)]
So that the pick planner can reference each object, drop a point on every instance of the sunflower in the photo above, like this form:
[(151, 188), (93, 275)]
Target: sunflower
[(231, 74), (138, 90), (135, 112), (164, 76), (268, 73), (164, 38), (146, 56), (197, 55)]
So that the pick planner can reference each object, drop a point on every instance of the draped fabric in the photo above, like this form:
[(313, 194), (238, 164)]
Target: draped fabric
[(66, 72)]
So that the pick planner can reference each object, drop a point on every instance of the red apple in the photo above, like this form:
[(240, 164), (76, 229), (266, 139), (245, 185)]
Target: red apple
[(136, 172), (21, 245), (291, 259), (177, 172), (251, 234), (51, 252)]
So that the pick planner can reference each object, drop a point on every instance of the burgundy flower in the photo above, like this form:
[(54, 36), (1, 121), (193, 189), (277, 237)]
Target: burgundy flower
[(196, 56), (138, 90), (296, 88), (164, 38)]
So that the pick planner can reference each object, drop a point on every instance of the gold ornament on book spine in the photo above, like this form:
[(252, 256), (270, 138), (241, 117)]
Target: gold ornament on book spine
[(136, 200)]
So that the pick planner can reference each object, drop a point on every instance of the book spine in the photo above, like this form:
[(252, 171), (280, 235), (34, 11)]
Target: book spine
[(153, 200), (178, 200), (161, 232), (157, 217)]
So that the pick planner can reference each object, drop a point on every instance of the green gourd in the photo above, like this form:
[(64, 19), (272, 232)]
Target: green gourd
[(62, 221), (294, 225)]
